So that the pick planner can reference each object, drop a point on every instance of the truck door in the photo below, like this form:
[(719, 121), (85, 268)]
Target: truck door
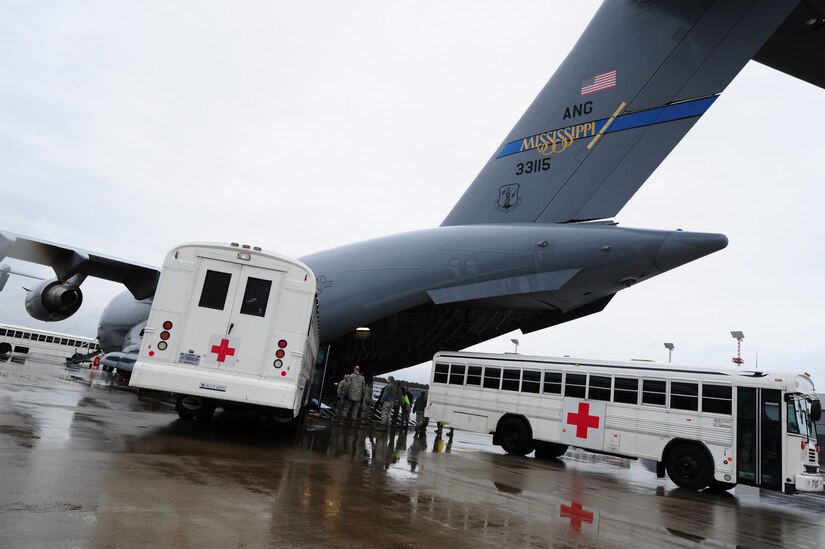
[(231, 316)]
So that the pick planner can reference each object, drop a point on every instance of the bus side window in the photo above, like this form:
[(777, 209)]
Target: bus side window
[(473, 375), (552, 382), (626, 390), (215, 289), (441, 371), (531, 381), (716, 399), (18, 334), (575, 385), (512, 379), (64, 341), (599, 388), (41, 338), (457, 374), (49, 339), (654, 392), (684, 396), (26, 335), (2, 331), (492, 378)]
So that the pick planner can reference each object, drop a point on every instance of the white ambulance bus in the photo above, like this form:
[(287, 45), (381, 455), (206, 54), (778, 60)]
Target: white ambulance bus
[(231, 326), (24, 341), (705, 426)]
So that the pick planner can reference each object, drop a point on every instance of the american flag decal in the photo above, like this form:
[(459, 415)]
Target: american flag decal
[(599, 82)]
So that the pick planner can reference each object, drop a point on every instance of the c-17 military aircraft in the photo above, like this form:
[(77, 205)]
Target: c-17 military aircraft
[(529, 245)]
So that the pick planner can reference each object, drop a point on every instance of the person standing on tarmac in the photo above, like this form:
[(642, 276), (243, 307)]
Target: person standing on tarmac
[(343, 389), (366, 404), (354, 393), (390, 395), (419, 407)]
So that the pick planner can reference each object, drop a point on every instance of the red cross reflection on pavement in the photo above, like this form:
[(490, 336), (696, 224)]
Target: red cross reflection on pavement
[(583, 420), (576, 514), (223, 350)]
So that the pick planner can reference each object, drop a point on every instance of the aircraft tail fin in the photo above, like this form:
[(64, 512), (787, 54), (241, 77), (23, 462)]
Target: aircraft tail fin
[(635, 83)]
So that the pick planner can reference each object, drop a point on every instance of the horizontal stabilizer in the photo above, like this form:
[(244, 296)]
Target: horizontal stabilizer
[(797, 47)]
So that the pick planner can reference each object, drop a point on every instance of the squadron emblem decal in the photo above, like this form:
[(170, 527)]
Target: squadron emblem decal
[(508, 197)]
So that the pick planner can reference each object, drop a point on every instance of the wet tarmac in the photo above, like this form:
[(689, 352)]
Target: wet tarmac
[(85, 461)]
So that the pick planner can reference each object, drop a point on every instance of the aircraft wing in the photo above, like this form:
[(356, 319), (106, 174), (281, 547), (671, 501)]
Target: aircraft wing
[(635, 83), (141, 280)]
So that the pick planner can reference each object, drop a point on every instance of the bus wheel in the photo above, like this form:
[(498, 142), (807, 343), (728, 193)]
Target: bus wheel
[(550, 450), (186, 417), (719, 486), (688, 466), (514, 436)]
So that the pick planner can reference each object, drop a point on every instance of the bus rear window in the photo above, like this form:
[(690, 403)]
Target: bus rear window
[(215, 288), (255, 297)]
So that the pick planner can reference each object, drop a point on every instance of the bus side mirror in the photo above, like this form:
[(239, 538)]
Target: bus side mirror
[(816, 410)]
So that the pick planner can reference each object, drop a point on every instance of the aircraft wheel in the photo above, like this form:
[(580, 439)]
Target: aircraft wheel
[(550, 450), (515, 437), (689, 467)]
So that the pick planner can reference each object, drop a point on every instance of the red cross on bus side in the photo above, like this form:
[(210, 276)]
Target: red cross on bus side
[(583, 423)]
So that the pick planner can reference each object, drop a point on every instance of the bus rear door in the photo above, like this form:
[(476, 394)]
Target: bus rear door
[(231, 321)]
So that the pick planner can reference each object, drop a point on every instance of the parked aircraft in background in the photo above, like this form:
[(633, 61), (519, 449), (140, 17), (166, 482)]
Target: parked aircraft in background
[(529, 245)]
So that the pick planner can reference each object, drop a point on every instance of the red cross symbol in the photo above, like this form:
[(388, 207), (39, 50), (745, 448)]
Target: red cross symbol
[(576, 514), (583, 420), (223, 350)]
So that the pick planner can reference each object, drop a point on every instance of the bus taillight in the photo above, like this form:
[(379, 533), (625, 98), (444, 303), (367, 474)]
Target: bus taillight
[(282, 343)]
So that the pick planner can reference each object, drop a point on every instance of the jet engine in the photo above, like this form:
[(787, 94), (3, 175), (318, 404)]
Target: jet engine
[(52, 300)]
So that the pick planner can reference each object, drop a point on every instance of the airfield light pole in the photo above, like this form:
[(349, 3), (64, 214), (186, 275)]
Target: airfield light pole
[(669, 347), (515, 341), (738, 336)]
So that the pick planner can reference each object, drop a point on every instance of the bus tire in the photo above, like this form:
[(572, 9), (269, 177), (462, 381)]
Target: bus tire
[(689, 466), (5, 348), (550, 450), (719, 486), (515, 437), (186, 417)]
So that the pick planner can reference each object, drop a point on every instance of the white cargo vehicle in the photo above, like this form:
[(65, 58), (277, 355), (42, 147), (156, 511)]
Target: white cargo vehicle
[(231, 326)]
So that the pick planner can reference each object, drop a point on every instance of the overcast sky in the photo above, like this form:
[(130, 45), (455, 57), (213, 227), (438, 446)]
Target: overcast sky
[(126, 128)]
